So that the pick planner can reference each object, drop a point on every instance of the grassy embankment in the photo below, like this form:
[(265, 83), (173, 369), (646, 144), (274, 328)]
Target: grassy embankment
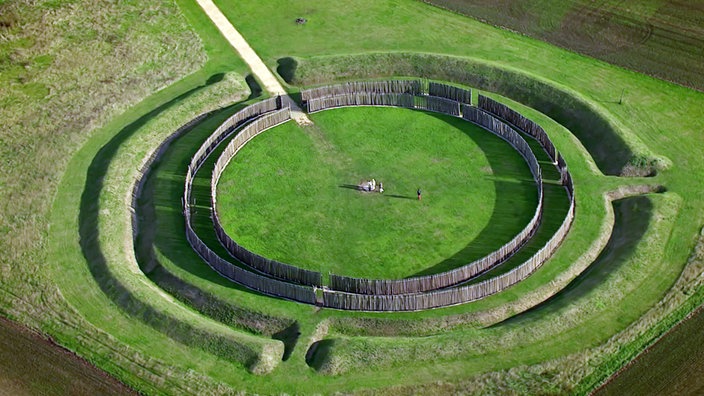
[(535, 58)]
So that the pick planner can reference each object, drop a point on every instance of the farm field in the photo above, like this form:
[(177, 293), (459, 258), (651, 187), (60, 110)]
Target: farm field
[(660, 38), (128, 293), (291, 194), (673, 365), (24, 356)]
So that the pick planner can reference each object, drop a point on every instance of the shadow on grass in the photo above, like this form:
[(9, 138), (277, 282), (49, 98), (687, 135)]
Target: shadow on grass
[(317, 354), (350, 187), (289, 336), (516, 197), (254, 88), (400, 196), (556, 205), (112, 286), (632, 217), (161, 226), (287, 68), (358, 188)]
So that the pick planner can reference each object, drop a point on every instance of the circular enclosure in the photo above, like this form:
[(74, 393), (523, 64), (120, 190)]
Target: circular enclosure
[(297, 194), (411, 293)]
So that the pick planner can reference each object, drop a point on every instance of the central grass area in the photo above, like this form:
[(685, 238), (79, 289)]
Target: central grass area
[(291, 193)]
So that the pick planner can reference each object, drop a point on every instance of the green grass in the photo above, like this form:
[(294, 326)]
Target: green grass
[(47, 280), (291, 194), (624, 264)]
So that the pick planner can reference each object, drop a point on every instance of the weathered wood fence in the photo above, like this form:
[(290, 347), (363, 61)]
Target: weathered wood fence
[(521, 122), (457, 94), (250, 279), (247, 278), (271, 267), (412, 94), (226, 128), (280, 279), (413, 87)]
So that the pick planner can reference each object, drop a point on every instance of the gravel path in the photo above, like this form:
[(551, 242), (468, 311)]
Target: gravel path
[(259, 69)]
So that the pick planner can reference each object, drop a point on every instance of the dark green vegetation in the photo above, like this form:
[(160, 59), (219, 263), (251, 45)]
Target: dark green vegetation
[(177, 329), (292, 193), (663, 38)]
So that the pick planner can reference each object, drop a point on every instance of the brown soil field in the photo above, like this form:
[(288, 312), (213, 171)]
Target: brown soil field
[(33, 365), (664, 39), (672, 366)]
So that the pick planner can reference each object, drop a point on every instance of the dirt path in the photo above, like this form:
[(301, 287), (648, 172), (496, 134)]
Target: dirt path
[(259, 69)]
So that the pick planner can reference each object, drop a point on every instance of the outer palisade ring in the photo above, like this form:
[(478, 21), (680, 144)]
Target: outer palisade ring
[(417, 293)]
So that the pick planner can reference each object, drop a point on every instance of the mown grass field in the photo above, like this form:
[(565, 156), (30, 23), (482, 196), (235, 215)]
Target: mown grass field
[(73, 272), (292, 193)]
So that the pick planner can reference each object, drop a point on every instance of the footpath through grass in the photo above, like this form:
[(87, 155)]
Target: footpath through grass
[(292, 193)]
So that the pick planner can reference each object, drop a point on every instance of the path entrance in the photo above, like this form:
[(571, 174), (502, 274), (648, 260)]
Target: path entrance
[(259, 69)]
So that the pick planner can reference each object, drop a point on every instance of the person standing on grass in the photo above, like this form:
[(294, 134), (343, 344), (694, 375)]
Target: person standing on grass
[(419, 197)]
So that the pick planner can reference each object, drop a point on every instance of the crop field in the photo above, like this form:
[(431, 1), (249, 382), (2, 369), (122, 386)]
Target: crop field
[(23, 355), (661, 38), (92, 93)]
